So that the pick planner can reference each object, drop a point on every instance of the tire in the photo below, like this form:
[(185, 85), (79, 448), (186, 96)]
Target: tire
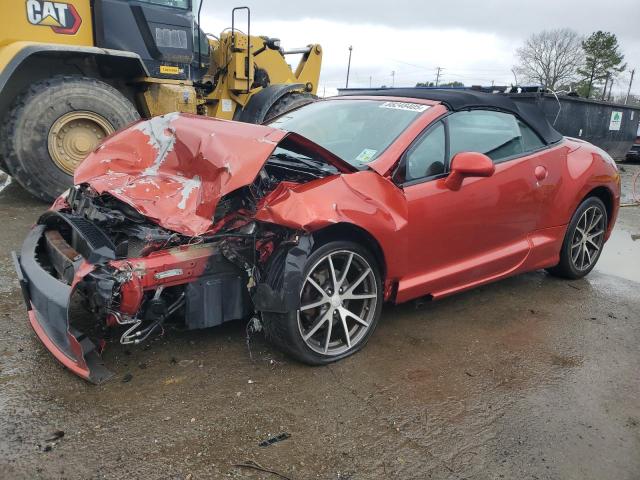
[(24, 137), (286, 330), (573, 258), (287, 102)]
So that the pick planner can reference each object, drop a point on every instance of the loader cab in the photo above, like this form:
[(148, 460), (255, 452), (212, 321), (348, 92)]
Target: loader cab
[(163, 32)]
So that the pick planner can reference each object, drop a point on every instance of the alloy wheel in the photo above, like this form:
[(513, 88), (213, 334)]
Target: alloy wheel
[(588, 238), (337, 303)]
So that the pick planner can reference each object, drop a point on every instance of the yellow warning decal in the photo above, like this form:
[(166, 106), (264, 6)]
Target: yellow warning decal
[(170, 70)]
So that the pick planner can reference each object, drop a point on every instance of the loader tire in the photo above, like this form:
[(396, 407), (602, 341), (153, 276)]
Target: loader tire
[(287, 102), (53, 125)]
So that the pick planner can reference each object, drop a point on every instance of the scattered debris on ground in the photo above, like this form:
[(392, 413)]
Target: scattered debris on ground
[(276, 439)]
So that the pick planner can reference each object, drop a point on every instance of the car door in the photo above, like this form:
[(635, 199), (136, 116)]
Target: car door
[(458, 239)]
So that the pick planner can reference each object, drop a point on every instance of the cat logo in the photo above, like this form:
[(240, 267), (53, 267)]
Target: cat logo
[(63, 18)]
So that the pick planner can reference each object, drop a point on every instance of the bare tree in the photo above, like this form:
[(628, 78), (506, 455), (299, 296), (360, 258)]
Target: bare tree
[(550, 58)]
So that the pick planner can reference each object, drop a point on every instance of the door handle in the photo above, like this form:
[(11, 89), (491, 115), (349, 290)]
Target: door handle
[(540, 172)]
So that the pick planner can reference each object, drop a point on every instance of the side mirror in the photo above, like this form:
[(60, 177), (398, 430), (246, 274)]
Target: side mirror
[(468, 164)]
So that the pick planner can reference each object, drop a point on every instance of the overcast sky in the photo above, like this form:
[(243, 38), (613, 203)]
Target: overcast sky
[(473, 42)]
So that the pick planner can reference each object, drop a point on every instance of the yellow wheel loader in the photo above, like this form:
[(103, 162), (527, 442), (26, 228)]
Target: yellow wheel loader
[(74, 71)]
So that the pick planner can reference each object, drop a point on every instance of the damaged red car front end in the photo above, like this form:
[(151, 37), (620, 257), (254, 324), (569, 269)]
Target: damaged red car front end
[(162, 222)]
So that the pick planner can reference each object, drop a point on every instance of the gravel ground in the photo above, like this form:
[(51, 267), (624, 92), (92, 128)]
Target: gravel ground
[(528, 378)]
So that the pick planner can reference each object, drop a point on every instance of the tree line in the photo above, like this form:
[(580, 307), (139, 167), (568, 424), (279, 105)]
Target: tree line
[(563, 61)]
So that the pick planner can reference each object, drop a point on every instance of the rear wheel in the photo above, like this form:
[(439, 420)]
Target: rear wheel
[(54, 125), (290, 101), (583, 241), (340, 305)]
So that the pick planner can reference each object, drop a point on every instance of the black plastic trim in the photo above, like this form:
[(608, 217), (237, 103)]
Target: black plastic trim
[(280, 293)]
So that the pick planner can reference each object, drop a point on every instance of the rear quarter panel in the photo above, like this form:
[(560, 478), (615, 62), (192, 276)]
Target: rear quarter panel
[(572, 177)]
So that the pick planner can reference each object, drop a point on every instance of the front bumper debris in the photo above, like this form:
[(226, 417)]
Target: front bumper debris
[(48, 300), (78, 291)]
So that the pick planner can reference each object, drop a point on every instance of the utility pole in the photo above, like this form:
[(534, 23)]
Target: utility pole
[(438, 76), (393, 78), (349, 66), (630, 83), (369, 81)]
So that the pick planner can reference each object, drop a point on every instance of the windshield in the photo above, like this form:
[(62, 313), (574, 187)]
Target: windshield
[(357, 131)]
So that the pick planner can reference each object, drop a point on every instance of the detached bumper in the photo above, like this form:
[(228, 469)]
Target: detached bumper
[(47, 300)]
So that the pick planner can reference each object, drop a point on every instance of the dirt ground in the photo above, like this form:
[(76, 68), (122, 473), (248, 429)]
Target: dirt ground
[(528, 378)]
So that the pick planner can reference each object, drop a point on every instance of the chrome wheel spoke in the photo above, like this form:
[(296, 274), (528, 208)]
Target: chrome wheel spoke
[(359, 296), (334, 280), (595, 221), (319, 303), (574, 256), (328, 339), (346, 270), (317, 287), (343, 320), (318, 324), (360, 279), (348, 313), (594, 244)]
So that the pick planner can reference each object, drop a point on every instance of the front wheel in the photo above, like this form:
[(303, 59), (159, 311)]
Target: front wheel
[(583, 241), (340, 305)]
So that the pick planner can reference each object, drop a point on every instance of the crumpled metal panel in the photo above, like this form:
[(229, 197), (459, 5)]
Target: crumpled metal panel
[(175, 168), (365, 199)]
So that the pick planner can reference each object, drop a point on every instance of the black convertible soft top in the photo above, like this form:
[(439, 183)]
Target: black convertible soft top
[(457, 100)]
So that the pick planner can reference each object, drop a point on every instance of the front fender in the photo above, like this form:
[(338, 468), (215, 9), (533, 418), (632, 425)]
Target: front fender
[(16, 54), (364, 199)]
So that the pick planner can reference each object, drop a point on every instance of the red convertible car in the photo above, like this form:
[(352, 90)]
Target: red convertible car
[(310, 223)]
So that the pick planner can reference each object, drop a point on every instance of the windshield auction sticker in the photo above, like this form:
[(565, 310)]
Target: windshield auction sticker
[(366, 155), (412, 107)]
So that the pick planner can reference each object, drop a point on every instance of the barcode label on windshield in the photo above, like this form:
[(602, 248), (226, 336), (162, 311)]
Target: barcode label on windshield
[(412, 107)]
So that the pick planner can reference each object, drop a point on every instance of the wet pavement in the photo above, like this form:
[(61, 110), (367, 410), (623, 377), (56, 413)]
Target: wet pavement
[(528, 378)]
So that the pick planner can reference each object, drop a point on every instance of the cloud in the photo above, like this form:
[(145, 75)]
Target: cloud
[(501, 17), (473, 43)]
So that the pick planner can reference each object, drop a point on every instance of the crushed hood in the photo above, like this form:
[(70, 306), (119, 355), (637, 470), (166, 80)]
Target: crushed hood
[(175, 168)]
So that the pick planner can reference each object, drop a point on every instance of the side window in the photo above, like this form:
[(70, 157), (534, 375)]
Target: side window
[(530, 139), (495, 134), (426, 158)]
